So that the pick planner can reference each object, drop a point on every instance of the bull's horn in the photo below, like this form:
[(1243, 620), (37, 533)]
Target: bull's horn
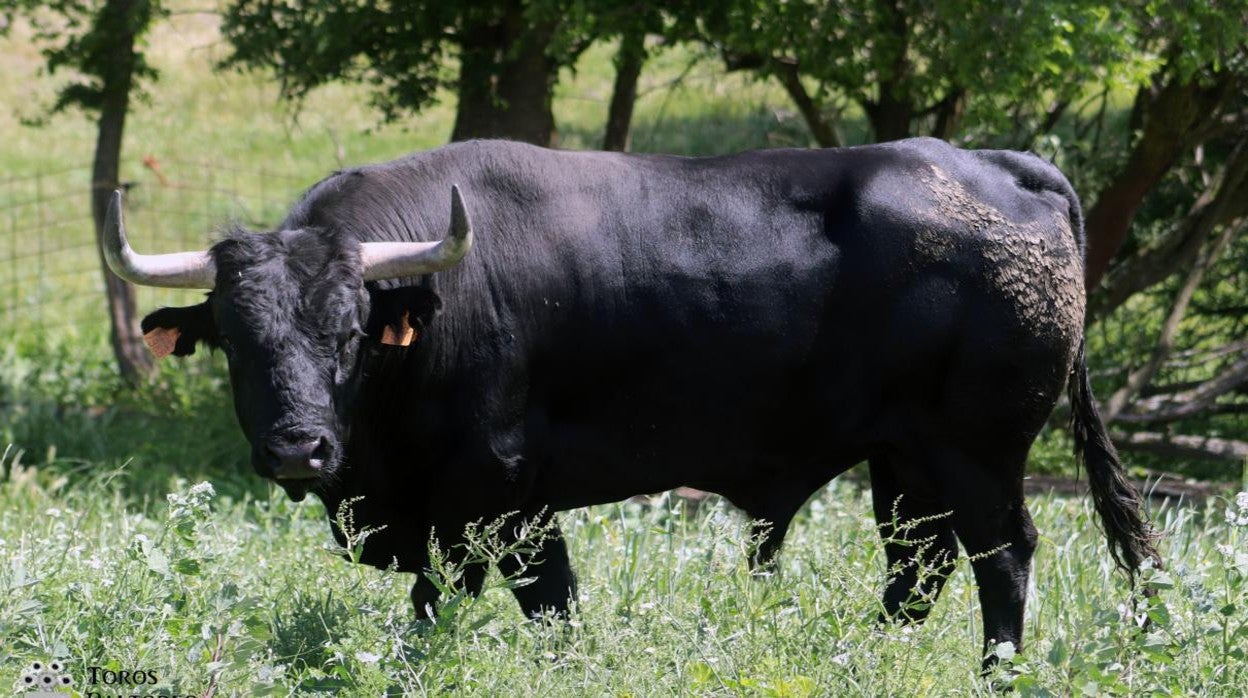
[(176, 270), (391, 260)]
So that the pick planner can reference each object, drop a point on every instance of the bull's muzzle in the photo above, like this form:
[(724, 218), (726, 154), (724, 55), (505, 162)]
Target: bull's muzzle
[(301, 460)]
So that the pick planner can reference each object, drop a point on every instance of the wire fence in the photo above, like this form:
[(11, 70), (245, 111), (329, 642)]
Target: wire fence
[(50, 273)]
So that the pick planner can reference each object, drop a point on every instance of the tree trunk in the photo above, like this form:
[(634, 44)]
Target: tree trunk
[(821, 128), (133, 361), (628, 63), (949, 114), (890, 117), (1169, 118), (506, 81)]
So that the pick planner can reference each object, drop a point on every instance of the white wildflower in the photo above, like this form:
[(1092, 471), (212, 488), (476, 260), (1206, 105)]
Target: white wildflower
[(365, 657), (1238, 514), (53, 512)]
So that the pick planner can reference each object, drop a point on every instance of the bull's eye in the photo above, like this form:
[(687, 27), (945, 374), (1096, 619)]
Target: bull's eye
[(348, 340)]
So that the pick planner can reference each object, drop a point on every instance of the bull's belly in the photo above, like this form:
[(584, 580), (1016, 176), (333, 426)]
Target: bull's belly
[(585, 464)]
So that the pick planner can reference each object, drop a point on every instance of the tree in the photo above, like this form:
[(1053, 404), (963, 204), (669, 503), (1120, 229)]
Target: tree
[(629, 60), (508, 53), (915, 67), (1166, 230), (97, 41)]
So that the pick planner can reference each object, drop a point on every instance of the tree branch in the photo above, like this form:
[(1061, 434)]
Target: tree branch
[(823, 129), (1051, 117), (1180, 446), (1191, 402), (1165, 341), (1171, 416), (1218, 204), (1170, 115)]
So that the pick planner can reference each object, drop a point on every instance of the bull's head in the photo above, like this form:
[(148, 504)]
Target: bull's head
[(291, 312)]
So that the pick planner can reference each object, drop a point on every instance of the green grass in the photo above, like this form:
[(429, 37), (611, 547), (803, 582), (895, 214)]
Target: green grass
[(248, 592)]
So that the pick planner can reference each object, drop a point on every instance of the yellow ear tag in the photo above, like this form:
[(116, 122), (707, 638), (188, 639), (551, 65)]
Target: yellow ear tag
[(162, 340), (400, 335)]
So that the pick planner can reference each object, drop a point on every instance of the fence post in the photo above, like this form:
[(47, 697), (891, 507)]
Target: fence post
[(209, 192), (263, 208), (13, 298), (39, 233)]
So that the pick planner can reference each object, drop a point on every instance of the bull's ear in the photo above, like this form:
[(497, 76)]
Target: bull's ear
[(177, 330), (400, 315)]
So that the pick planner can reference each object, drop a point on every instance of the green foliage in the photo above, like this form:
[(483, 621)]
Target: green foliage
[(401, 49), (913, 56), (1197, 39), (63, 405), (92, 41)]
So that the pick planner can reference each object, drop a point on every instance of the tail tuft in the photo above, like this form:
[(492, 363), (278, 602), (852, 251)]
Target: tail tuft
[(1118, 503)]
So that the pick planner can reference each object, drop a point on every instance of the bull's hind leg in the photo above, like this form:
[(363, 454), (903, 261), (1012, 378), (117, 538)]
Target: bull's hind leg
[(771, 506), (919, 543), (991, 519), (553, 584)]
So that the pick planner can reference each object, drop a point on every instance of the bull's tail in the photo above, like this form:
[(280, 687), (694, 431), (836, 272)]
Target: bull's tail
[(1117, 501)]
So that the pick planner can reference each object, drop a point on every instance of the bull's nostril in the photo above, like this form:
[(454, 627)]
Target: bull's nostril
[(320, 452), (296, 460)]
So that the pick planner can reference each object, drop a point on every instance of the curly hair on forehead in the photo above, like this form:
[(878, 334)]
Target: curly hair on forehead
[(309, 252)]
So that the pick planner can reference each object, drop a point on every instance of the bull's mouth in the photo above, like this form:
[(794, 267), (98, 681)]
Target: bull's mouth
[(297, 489)]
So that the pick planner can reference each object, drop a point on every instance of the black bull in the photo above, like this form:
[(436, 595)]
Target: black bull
[(751, 325)]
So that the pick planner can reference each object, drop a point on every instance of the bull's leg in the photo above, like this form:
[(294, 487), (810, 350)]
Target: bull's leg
[(991, 519), (767, 532), (553, 585), (771, 507), (425, 595), (919, 543)]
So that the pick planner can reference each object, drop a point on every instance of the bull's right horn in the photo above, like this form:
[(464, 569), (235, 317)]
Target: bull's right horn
[(392, 260), (176, 270)]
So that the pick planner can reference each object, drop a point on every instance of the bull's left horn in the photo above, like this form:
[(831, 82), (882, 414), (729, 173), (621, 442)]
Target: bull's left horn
[(176, 270), (391, 260)]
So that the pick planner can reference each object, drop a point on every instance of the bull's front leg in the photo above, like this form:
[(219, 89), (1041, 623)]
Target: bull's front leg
[(554, 584), (425, 596)]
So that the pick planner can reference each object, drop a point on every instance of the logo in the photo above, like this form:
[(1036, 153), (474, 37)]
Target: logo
[(52, 680), (46, 680)]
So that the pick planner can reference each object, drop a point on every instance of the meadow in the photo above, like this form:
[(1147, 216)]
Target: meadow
[(135, 537)]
